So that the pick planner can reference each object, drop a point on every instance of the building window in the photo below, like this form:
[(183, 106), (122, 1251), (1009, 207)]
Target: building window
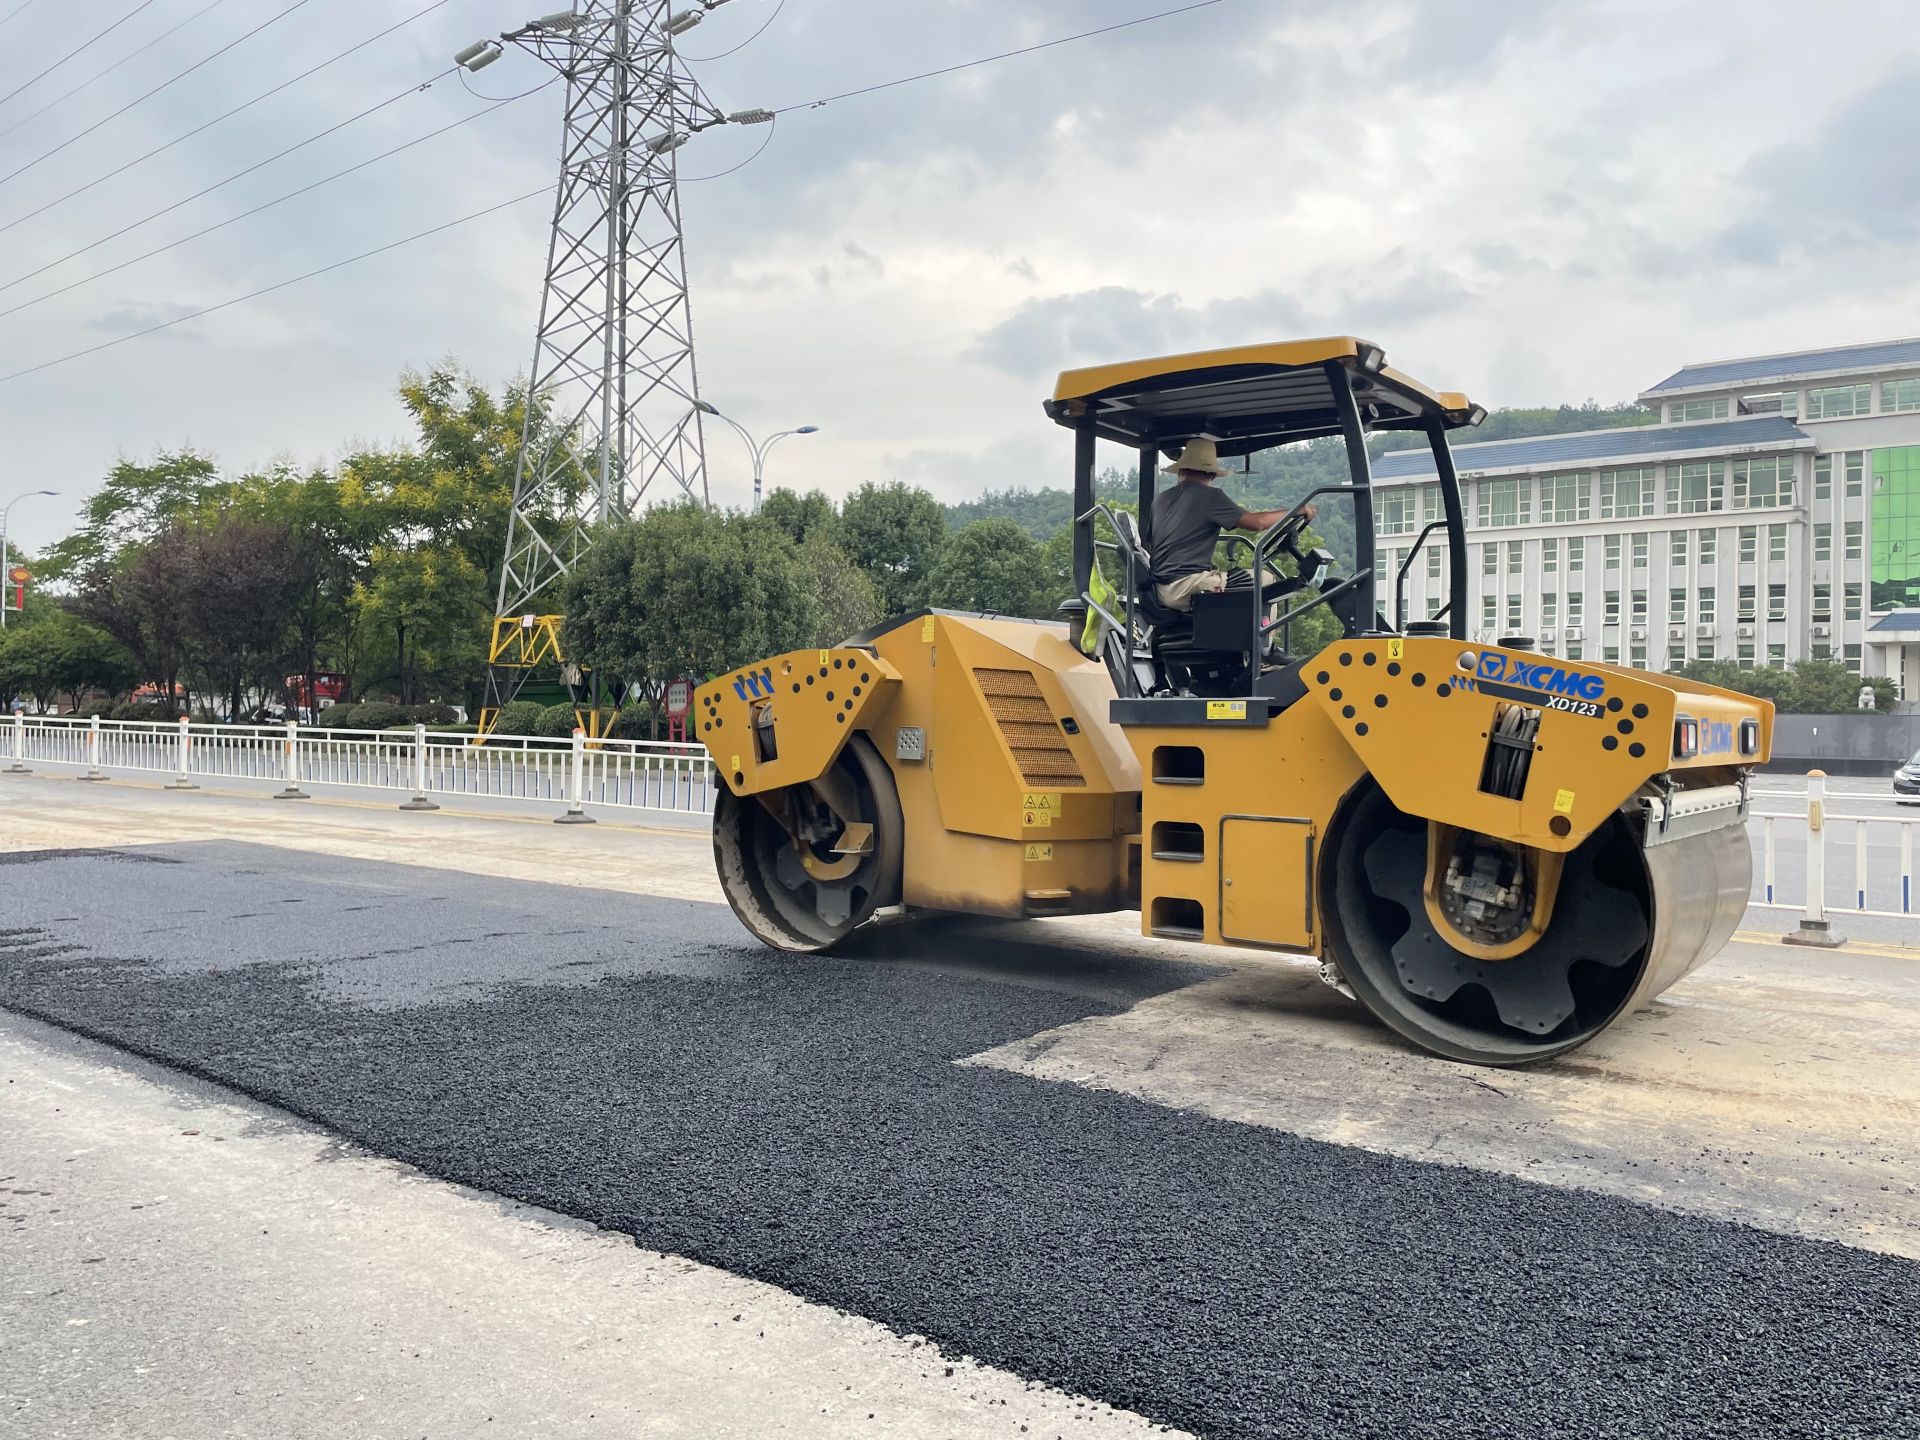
[(1576, 608), (1776, 543), (1777, 656), (1822, 541), (1681, 411), (1758, 484), (1610, 611), (1853, 597), (1676, 654), (1626, 494), (1614, 547), (1823, 477), (1397, 512), (1822, 650), (1611, 654), (1576, 555), (1549, 611), (1895, 571), (1853, 551), (1639, 607), (1490, 560), (1513, 613), (1709, 549), (1704, 605), (1823, 602), (1837, 402), (1489, 611), (1856, 468), (1677, 550), (1704, 649), (1432, 507), (1504, 502), (1575, 650), (1565, 497), (1777, 602), (1777, 402), (1434, 557), (1549, 556), (1749, 544), (1637, 656), (1696, 487), (1640, 550), (1899, 396), (1677, 605), (1516, 553), (1852, 654), (1746, 610), (1744, 655)]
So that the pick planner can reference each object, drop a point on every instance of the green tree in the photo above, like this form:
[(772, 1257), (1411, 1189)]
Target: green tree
[(1807, 687), (50, 652), (688, 591), (848, 601), (992, 566), (801, 516), (132, 506), (893, 532)]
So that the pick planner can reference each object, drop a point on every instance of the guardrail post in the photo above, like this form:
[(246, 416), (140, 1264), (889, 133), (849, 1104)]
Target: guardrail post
[(576, 783), (182, 745), (93, 751), (293, 790), (1813, 925), (419, 800), (19, 765)]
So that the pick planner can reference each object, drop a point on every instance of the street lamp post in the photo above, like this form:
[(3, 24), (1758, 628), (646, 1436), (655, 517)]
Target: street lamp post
[(5, 511), (756, 448)]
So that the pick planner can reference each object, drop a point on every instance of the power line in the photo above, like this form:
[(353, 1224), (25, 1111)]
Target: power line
[(14, 14), (273, 20), (1003, 55), (73, 52), (269, 204), (66, 95), (772, 125), (270, 289), (227, 115), (704, 59), (221, 184)]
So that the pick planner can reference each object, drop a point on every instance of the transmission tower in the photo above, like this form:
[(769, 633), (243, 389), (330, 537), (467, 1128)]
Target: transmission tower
[(610, 410)]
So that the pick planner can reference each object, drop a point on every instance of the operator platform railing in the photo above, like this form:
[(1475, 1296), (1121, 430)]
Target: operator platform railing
[(417, 763)]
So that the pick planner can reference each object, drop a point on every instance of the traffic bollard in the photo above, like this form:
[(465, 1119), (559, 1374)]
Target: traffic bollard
[(293, 790), (93, 751), (576, 783), (19, 765), (419, 800), (1813, 925), (182, 746)]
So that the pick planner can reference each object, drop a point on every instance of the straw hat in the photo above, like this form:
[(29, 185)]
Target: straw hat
[(1199, 454)]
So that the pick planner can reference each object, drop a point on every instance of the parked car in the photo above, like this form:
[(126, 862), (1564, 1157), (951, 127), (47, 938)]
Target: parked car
[(1906, 783)]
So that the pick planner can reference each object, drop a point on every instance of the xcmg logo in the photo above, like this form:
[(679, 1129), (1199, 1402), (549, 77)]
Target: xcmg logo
[(754, 684), (1716, 737), (1547, 679)]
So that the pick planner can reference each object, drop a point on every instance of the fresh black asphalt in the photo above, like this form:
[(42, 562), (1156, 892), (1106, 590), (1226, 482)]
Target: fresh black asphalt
[(635, 1062)]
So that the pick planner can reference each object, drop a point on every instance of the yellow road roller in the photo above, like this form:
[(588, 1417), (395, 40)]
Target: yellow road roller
[(1496, 851)]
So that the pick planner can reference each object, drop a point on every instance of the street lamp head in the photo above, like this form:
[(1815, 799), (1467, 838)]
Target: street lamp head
[(808, 430), (704, 408)]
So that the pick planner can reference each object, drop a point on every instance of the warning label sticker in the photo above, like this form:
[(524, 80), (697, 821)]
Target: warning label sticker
[(1039, 808), (1039, 852), (1395, 649), (1563, 802), (1226, 709)]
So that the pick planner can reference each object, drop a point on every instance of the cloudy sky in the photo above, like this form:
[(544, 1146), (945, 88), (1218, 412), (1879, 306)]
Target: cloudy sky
[(1532, 201)]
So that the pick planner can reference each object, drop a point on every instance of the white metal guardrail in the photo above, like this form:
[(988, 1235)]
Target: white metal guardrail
[(611, 774), (1880, 848)]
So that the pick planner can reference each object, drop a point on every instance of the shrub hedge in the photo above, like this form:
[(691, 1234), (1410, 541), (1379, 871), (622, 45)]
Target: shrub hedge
[(556, 722), (521, 717), (379, 715)]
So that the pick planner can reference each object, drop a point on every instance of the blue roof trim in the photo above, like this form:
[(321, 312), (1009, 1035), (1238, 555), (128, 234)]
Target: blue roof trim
[(1540, 452), (1880, 355), (1899, 620)]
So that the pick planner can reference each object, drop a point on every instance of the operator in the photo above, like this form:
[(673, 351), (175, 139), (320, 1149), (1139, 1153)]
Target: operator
[(1187, 521)]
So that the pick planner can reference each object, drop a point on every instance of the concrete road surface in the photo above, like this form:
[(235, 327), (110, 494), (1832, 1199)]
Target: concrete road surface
[(558, 1123)]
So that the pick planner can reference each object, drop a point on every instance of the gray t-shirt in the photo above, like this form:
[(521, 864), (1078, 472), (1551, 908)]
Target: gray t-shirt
[(1187, 521)]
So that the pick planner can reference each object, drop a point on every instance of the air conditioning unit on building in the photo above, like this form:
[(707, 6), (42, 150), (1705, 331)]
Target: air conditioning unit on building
[(1574, 632), (1745, 632), (1820, 632), (1704, 631), (1676, 632), (1545, 637), (1640, 634)]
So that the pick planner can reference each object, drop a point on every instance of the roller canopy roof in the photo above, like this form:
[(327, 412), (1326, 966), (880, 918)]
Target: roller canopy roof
[(1250, 397)]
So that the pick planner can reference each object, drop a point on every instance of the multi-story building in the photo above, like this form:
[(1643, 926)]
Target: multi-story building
[(1772, 515)]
